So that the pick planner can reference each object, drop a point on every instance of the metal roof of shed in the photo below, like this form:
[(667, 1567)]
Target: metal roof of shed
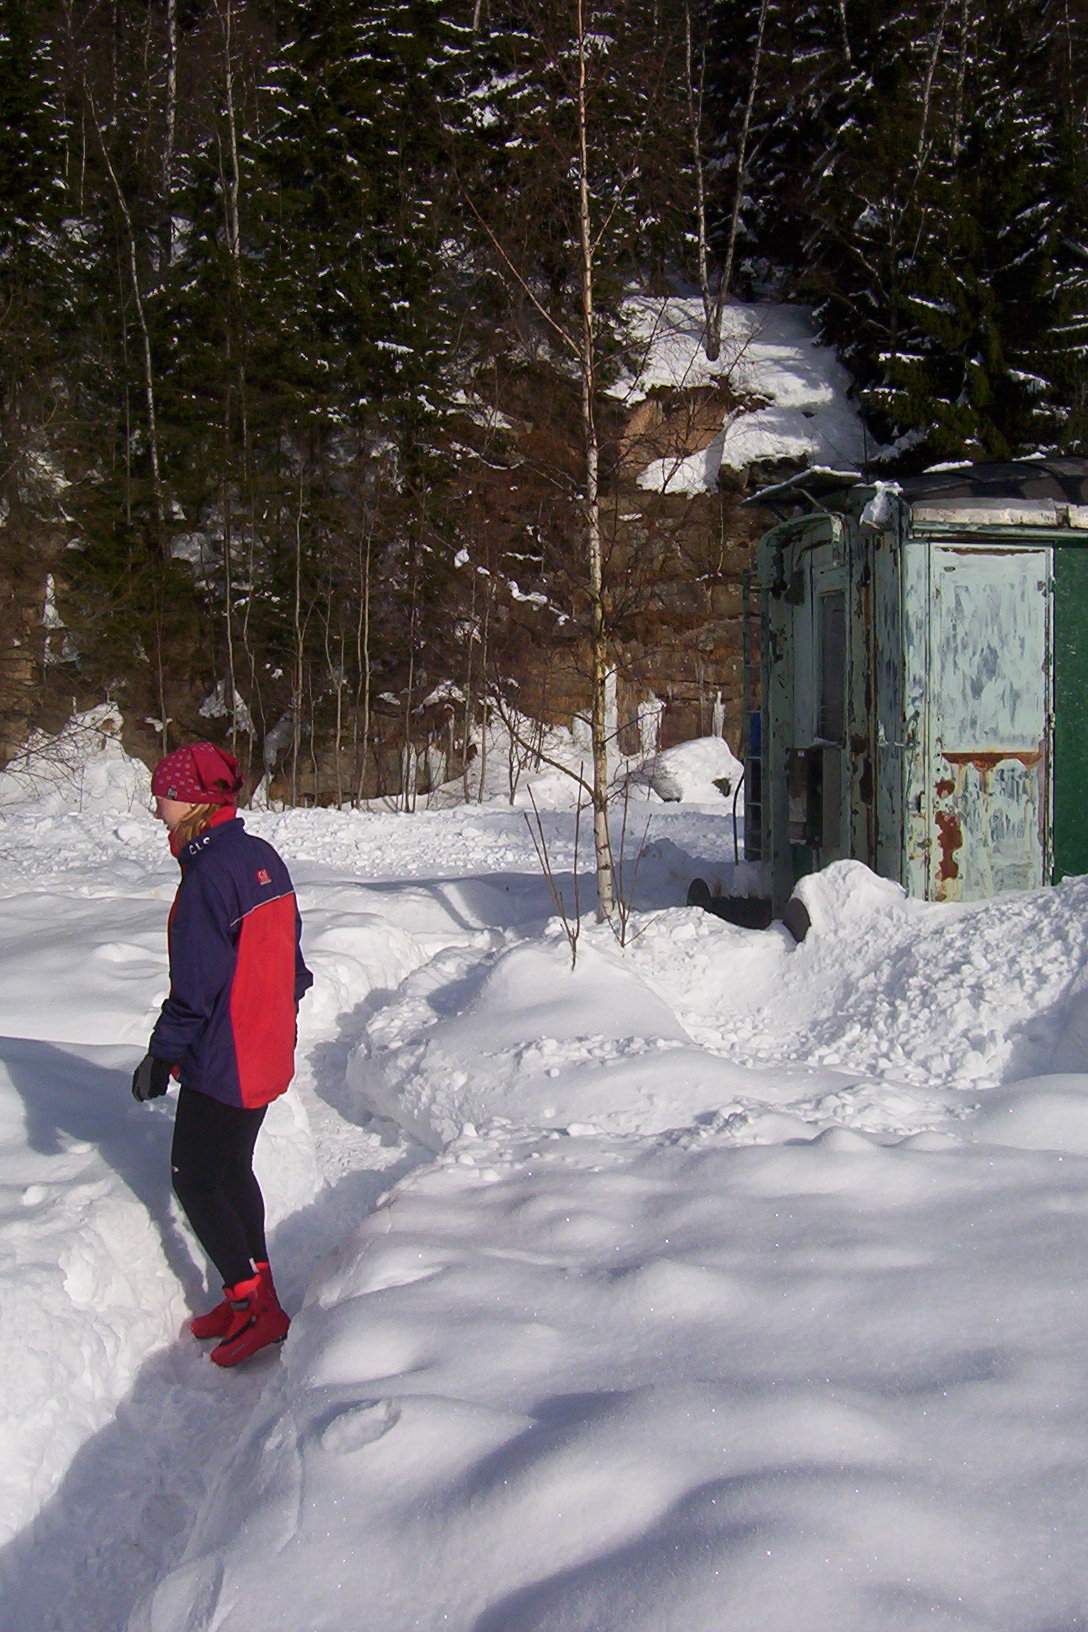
[(1064, 480)]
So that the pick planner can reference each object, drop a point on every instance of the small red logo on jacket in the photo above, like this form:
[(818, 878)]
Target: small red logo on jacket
[(263, 876)]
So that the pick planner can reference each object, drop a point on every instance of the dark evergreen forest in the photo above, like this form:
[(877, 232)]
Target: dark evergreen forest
[(281, 281)]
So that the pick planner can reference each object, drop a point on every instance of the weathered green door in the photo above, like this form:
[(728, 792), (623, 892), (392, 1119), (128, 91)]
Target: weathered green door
[(988, 729)]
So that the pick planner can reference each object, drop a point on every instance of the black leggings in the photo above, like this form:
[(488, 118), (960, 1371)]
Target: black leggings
[(212, 1162)]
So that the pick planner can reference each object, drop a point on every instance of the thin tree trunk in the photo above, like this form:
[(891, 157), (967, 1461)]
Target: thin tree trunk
[(228, 609), (470, 692), (966, 41), (171, 130), (230, 182), (485, 712), (160, 675), (145, 337), (362, 657), (296, 685), (695, 87), (927, 89), (230, 174), (407, 757), (714, 331), (336, 680), (340, 726), (602, 844)]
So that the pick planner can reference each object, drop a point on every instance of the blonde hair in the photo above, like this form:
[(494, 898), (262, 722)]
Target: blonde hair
[(194, 823)]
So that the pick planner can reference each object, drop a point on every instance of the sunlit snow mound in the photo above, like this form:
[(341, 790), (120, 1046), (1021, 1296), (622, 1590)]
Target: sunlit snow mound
[(82, 770), (701, 772), (892, 1016), (524, 1038), (984, 992), (520, 763)]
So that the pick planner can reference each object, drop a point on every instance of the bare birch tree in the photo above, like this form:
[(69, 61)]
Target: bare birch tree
[(593, 89)]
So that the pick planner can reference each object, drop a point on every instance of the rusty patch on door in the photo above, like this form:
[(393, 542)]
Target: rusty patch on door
[(988, 819), (950, 839), (984, 764)]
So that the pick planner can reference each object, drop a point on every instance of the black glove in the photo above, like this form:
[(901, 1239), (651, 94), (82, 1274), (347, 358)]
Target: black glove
[(150, 1078)]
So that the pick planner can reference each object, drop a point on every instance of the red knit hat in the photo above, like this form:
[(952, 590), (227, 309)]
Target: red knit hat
[(200, 774)]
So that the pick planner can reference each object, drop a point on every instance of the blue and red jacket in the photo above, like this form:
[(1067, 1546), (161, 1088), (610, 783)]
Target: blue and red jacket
[(236, 969)]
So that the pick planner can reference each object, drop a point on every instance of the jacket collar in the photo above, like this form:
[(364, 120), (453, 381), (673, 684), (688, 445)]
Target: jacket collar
[(221, 819)]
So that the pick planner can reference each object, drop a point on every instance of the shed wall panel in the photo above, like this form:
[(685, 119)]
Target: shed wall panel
[(1070, 711)]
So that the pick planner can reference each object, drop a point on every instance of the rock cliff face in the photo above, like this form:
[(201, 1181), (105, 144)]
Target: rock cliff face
[(677, 586), (675, 574), (682, 442)]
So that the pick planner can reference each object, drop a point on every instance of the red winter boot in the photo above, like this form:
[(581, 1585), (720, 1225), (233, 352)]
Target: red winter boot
[(217, 1322), (256, 1321)]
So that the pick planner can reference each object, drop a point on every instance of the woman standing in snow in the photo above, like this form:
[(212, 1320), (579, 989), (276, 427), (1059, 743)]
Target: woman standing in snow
[(227, 1031)]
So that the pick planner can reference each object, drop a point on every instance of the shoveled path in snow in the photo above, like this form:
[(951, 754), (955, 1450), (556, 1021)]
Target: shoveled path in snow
[(121, 1513), (116, 1424)]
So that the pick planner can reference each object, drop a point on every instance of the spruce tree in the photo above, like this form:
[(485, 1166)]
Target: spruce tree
[(36, 300), (354, 336), (940, 254), (35, 267)]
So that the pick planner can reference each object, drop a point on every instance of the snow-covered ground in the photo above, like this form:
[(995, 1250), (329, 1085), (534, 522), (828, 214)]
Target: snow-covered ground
[(717, 1284)]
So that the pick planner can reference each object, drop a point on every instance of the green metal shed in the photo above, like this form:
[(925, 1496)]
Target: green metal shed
[(924, 682)]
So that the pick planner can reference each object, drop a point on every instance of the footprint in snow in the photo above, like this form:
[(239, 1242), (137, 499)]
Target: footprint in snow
[(359, 1425)]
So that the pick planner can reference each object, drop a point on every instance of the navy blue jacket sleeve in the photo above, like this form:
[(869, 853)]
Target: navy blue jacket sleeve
[(202, 961), (303, 978)]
